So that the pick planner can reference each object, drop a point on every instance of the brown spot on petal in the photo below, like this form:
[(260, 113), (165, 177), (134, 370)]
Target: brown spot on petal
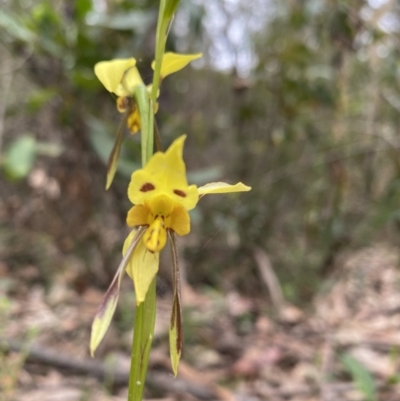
[(147, 187), (179, 193)]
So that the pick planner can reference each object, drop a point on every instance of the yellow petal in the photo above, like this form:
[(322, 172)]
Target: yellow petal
[(222, 188), (180, 220), (110, 73), (164, 174), (138, 216), (173, 62), (142, 268)]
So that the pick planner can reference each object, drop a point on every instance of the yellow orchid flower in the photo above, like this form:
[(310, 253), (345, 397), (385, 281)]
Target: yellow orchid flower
[(162, 198)]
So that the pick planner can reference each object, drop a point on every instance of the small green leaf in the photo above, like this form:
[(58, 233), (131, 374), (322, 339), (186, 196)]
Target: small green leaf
[(20, 157), (15, 27), (107, 307), (361, 376)]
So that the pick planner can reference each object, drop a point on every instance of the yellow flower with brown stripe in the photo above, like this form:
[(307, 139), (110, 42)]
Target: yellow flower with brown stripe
[(162, 199)]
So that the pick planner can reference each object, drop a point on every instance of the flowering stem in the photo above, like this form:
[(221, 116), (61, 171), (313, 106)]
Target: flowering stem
[(161, 38), (142, 338), (150, 135), (146, 311), (143, 101)]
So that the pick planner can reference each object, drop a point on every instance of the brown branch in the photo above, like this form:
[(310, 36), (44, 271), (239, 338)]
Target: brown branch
[(159, 380)]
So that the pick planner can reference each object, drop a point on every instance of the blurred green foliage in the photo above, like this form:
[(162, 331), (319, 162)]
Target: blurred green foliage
[(361, 377), (312, 127)]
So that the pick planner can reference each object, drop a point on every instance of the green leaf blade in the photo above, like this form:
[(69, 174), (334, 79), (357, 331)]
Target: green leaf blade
[(361, 376), (20, 157)]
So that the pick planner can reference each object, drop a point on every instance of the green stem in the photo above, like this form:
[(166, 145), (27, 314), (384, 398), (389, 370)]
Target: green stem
[(146, 116), (150, 136), (142, 338), (146, 312), (161, 38)]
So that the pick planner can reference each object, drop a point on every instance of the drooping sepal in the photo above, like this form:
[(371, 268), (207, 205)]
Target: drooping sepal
[(175, 330), (175, 334), (116, 150), (107, 307)]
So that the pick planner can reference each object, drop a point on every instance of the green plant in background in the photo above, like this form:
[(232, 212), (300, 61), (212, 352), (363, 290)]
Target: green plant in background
[(362, 378), (161, 197)]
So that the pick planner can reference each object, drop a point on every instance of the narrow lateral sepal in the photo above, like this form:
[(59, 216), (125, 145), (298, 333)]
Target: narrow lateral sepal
[(175, 335), (175, 330), (112, 163), (107, 307)]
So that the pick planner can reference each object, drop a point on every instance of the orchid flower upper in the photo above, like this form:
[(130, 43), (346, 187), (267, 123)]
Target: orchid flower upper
[(121, 77), (162, 198)]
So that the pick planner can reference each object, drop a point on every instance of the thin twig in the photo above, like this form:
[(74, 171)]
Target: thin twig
[(269, 278), (6, 81)]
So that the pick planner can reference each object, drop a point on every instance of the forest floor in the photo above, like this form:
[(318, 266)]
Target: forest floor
[(346, 346)]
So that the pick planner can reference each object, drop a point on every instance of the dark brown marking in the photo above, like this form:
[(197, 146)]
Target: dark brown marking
[(147, 187), (179, 193)]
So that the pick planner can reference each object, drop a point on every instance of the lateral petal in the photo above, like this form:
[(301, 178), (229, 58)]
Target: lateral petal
[(222, 188), (173, 62)]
